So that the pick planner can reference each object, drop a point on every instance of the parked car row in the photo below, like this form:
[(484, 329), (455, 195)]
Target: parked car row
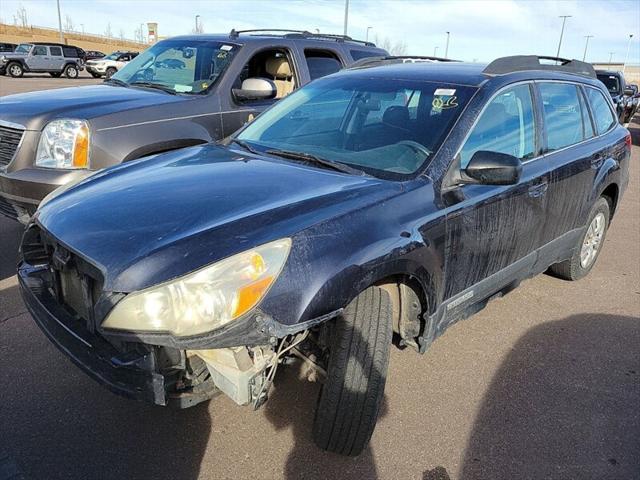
[(388, 197), (625, 97)]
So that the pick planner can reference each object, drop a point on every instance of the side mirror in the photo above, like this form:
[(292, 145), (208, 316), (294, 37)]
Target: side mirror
[(493, 168), (629, 92), (255, 89)]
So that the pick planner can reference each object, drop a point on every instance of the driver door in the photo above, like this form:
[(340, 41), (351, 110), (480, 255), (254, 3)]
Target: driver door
[(492, 229)]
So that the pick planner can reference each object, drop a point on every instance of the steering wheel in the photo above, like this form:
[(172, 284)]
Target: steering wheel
[(416, 147)]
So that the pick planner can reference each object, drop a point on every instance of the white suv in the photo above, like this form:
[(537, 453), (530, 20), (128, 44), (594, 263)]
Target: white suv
[(107, 66)]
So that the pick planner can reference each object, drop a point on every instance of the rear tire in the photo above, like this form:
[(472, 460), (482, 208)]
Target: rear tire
[(350, 399), (584, 256), (15, 70), (110, 72), (71, 71)]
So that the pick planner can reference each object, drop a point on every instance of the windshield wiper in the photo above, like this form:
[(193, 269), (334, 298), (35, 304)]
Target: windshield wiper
[(115, 81), (155, 85), (307, 157), (245, 145)]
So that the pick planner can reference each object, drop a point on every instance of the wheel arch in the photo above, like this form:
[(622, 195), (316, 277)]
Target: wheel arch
[(611, 194)]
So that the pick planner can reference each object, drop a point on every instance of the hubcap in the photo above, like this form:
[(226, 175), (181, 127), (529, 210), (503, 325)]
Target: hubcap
[(592, 240), (73, 72), (15, 70)]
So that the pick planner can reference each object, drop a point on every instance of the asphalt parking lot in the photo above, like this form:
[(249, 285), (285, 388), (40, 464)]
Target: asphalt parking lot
[(544, 383)]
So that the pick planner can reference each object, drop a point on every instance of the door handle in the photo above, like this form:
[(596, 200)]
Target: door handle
[(597, 160), (538, 190)]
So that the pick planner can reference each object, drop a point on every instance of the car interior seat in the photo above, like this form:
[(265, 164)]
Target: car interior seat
[(280, 70)]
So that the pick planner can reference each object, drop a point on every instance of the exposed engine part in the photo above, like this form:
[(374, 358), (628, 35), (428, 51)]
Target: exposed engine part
[(312, 370), (239, 372)]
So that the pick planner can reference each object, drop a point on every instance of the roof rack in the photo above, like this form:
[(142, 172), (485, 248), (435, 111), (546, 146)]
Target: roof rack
[(286, 33), (519, 63), (391, 59)]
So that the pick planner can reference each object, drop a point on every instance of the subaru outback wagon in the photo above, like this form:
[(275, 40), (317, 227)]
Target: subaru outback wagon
[(180, 92), (390, 200)]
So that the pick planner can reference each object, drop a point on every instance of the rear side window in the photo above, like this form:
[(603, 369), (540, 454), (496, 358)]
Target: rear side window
[(611, 82), (55, 51), (563, 115), (360, 54), (69, 52), (321, 63), (602, 114), (506, 126)]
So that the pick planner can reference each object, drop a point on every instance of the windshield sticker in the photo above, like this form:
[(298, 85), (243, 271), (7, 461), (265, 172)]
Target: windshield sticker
[(182, 88), (444, 103), (226, 48), (222, 55), (445, 92)]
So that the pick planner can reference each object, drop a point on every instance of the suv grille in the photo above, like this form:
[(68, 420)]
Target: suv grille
[(7, 209), (9, 141)]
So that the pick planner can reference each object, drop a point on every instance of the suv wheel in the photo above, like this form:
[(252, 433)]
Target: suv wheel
[(95, 75), (358, 358), (587, 250), (55, 74), (15, 70), (110, 71), (71, 71)]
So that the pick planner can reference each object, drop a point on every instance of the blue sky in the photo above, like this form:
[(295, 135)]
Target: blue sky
[(480, 30)]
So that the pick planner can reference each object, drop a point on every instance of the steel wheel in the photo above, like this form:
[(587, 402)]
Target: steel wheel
[(15, 70), (592, 241)]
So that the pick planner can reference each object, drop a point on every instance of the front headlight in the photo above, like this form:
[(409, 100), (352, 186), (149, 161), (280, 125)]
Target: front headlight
[(3, 59), (205, 299), (64, 144)]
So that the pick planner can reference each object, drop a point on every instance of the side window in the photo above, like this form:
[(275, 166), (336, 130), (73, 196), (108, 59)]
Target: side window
[(274, 65), (602, 114), (70, 52), (360, 54), (40, 50), (562, 115), (55, 51), (321, 63), (506, 126)]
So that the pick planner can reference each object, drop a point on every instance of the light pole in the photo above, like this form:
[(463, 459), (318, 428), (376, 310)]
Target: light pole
[(626, 57), (142, 33), (564, 20), (611, 57), (197, 17), (435, 51), (586, 44), (346, 16), (82, 27), (60, 23), (446, 48), (368, 28)]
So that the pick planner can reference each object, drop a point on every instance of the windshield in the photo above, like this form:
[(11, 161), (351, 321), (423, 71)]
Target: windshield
[(23, 48), (112, 56), (611, 82), (386, 128), (183, 66)]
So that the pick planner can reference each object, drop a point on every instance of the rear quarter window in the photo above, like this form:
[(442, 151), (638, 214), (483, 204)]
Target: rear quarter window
[(602, 114), (69, 52), (321, 63), (360, 54)]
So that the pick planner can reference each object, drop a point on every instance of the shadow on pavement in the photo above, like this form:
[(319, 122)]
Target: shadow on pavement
[(10, 237), (565, 404)]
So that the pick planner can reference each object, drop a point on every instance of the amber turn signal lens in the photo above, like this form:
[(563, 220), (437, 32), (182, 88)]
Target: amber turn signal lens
[(81, 148), (249, 295)]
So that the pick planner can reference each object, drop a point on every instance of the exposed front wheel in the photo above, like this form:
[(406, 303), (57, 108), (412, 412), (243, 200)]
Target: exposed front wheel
[(71, 72), (359, 345), (110, 72), (15, 70), (588, 248)]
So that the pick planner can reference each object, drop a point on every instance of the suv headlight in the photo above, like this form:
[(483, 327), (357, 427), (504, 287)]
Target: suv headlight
[(3, 59), (206, 299), (64, 144)]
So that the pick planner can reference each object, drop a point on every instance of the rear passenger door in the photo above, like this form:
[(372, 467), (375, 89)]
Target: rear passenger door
[(56, 61), (572, 155)]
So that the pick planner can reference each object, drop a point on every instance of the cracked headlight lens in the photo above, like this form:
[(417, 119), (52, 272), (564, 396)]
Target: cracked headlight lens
[(64, 144), (206, 299)]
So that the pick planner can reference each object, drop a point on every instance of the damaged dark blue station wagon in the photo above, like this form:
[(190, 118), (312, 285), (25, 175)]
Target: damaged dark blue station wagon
[(387, 200)]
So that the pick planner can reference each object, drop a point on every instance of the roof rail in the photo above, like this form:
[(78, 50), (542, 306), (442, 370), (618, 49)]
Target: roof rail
[(286, 33), (519, 63), (391, 59)]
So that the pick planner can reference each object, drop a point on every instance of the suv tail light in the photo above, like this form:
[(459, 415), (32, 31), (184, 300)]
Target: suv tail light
[(627, 141)]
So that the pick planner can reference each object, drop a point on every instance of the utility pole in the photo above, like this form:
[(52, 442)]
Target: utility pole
[(197, 30), (586, 44), (368, 28), (611, 57), (564, 20), (60, 23), (446, 48), (142, 33), (626, 57), (346, 16), (435, 51)]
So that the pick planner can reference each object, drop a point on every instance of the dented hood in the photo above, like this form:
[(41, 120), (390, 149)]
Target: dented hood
[(158, 218)]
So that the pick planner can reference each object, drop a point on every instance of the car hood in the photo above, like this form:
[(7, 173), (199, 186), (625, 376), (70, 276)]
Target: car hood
[(151, 220), (35, 109)]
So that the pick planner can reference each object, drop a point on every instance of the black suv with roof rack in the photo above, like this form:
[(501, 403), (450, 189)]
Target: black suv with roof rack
[(621, 95), (180, 92), (396, 198), (56, 59)]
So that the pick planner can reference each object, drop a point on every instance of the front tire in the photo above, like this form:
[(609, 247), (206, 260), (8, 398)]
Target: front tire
[(71, 71), (589, 246), (110, 72), (15, 70), (350, 399)]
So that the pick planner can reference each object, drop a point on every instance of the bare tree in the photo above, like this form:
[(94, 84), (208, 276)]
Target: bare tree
[(108, 32), (68, 23), (138, 34), (20, 17), (397, 48), (121, 34)]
